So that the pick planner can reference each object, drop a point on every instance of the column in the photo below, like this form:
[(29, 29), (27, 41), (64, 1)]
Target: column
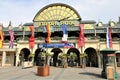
[(17, 59), (99, 60), (3, 58)]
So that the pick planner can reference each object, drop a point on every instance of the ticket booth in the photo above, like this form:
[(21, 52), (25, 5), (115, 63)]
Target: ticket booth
[(109, 64)]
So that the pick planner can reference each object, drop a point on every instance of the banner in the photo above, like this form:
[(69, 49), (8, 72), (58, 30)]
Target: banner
[(81, 40), (57, 45), (48, 29), (31, 39), (11, 45), (65, 33), (109, 37), (1, 39)]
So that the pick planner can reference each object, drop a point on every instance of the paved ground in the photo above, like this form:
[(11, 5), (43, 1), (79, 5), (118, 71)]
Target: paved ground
[(17, 73)]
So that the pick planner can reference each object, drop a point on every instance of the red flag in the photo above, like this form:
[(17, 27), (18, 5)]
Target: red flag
[(31, 39), (81, 40), (110, 35), (11, 38)]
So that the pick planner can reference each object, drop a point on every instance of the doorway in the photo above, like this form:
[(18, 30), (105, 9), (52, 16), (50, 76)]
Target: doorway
[(54, 60), (92, 58)]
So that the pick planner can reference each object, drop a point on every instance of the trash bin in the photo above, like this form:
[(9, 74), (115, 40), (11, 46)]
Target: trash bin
[(110, 73)]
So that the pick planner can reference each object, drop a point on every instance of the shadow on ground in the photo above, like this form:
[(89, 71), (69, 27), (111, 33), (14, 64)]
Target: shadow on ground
[(91, 74)]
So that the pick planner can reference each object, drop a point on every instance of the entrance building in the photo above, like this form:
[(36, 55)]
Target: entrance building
[(64, 24)]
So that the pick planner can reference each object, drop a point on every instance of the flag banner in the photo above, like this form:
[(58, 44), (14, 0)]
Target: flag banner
[(11, 45), (32, 39), (1, 39), (65, 33), (48, 29), (51, 27), (109, 37), (81, 40)]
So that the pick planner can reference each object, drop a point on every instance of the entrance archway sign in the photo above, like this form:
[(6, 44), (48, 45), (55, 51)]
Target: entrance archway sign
[(109, 63), (54, 13)]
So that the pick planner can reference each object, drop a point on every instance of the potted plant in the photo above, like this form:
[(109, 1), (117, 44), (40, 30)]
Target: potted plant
[(63, 57), (44, 70), (82, 56), (48, 56), (31, 59), (72, 56)]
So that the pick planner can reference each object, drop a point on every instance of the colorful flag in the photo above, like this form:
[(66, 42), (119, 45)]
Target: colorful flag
[(11, 38), (81, 40), (32, 39), (1, 39), (109, 37), (48, 29), (65, 33)]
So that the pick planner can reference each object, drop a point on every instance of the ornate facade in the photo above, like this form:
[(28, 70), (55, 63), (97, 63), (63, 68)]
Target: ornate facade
[(57, 15)]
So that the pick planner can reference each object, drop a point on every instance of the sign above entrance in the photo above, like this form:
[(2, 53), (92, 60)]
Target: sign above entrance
[(57, 45)]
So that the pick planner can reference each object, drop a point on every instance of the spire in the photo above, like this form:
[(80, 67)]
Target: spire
[(10, 25), (1, 26), (20, 26)]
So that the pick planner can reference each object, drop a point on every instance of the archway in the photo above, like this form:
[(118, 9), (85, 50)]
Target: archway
[(77, 59), (92, 58), (25, 54), (56, 52), (54, 13), (37, 52), (118, 59)]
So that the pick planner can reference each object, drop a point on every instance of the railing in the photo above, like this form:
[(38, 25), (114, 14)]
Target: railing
[(72, 28)]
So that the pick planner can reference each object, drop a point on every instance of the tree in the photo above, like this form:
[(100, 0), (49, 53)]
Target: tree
[(72, 56), (82, 56), (63, 57)]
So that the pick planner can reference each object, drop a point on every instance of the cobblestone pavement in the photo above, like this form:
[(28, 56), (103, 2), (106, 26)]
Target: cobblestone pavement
[(17, 73)]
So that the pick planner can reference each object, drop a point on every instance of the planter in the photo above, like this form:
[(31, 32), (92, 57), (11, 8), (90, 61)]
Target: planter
[(43, 70), (82, 66), (65, 66), (25, 64)]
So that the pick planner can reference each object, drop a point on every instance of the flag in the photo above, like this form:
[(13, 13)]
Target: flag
[(11, 32), (31, 39), (48, 29), (109, 37), (65, 33), (1, 39), (81, 40)]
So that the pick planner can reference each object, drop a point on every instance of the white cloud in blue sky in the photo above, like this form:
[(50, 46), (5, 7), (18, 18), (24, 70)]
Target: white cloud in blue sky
[(22, 11)]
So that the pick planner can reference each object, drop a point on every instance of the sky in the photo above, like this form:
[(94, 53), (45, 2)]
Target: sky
[(23, 11)]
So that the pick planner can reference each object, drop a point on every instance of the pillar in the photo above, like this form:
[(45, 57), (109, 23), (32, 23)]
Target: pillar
[(3, 58), (17, 59), (99, 60)]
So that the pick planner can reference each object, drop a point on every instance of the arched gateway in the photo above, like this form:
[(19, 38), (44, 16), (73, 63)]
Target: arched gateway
[(54, 13), (57, 15)]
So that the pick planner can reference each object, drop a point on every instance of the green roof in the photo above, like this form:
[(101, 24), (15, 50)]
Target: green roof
[(108, 50)]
